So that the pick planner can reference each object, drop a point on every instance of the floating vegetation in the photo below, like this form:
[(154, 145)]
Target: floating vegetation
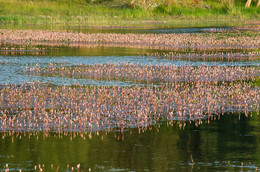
[(249, 26), (171, 41), (208, 56), (149, 73), (10, 49), (35, 107), (21, 51)]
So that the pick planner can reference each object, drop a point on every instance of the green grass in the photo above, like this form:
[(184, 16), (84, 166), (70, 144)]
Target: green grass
[(257, 82), (109, 12)]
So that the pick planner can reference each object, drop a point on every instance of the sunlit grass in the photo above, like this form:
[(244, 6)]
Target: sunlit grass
[(81, 12)]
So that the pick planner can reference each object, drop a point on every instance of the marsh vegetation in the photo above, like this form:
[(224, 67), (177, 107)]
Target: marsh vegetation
[(112, 98)]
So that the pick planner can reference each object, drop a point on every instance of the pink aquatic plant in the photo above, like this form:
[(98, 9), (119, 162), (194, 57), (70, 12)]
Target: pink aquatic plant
[(171, 41), (34, 107)]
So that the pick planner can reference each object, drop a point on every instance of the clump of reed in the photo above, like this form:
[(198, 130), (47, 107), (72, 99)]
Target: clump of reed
[(208, 56), (206, 40), (35, 107), (149, 73)]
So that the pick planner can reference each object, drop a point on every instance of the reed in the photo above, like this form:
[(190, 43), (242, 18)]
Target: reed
[(35, 107), (148, 73), (240, 40), (207, 56)]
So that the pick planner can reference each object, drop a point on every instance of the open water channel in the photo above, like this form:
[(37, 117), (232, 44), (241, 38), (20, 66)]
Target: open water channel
[(229, 142)]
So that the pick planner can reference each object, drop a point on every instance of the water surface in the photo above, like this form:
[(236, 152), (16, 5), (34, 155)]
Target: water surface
[(226, 144)]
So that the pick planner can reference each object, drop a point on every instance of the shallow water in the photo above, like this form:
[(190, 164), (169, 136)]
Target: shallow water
[(13, 66)]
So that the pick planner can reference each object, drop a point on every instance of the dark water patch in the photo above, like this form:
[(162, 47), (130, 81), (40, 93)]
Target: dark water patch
[(227, 144), (158, 30), (102, 50), (94, 50), (190, 30), (128, 27)]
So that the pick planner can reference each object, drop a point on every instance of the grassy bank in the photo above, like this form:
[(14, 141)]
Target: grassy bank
[(86, 12)]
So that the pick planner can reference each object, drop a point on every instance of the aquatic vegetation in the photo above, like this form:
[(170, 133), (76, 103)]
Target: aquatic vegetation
[(163, 100), (148, 73), (208, 56), (88, 127), (35, 107), (10, 50), (173, 93), (169, 41), (178, 93)]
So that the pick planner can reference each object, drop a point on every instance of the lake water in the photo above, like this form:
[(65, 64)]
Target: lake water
[(229, 142), (225, 144)]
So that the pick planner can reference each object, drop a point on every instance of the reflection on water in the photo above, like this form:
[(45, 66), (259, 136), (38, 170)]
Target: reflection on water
[(191, 30), (156, 30), (229, 143), (98, 50), (179, 26)]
